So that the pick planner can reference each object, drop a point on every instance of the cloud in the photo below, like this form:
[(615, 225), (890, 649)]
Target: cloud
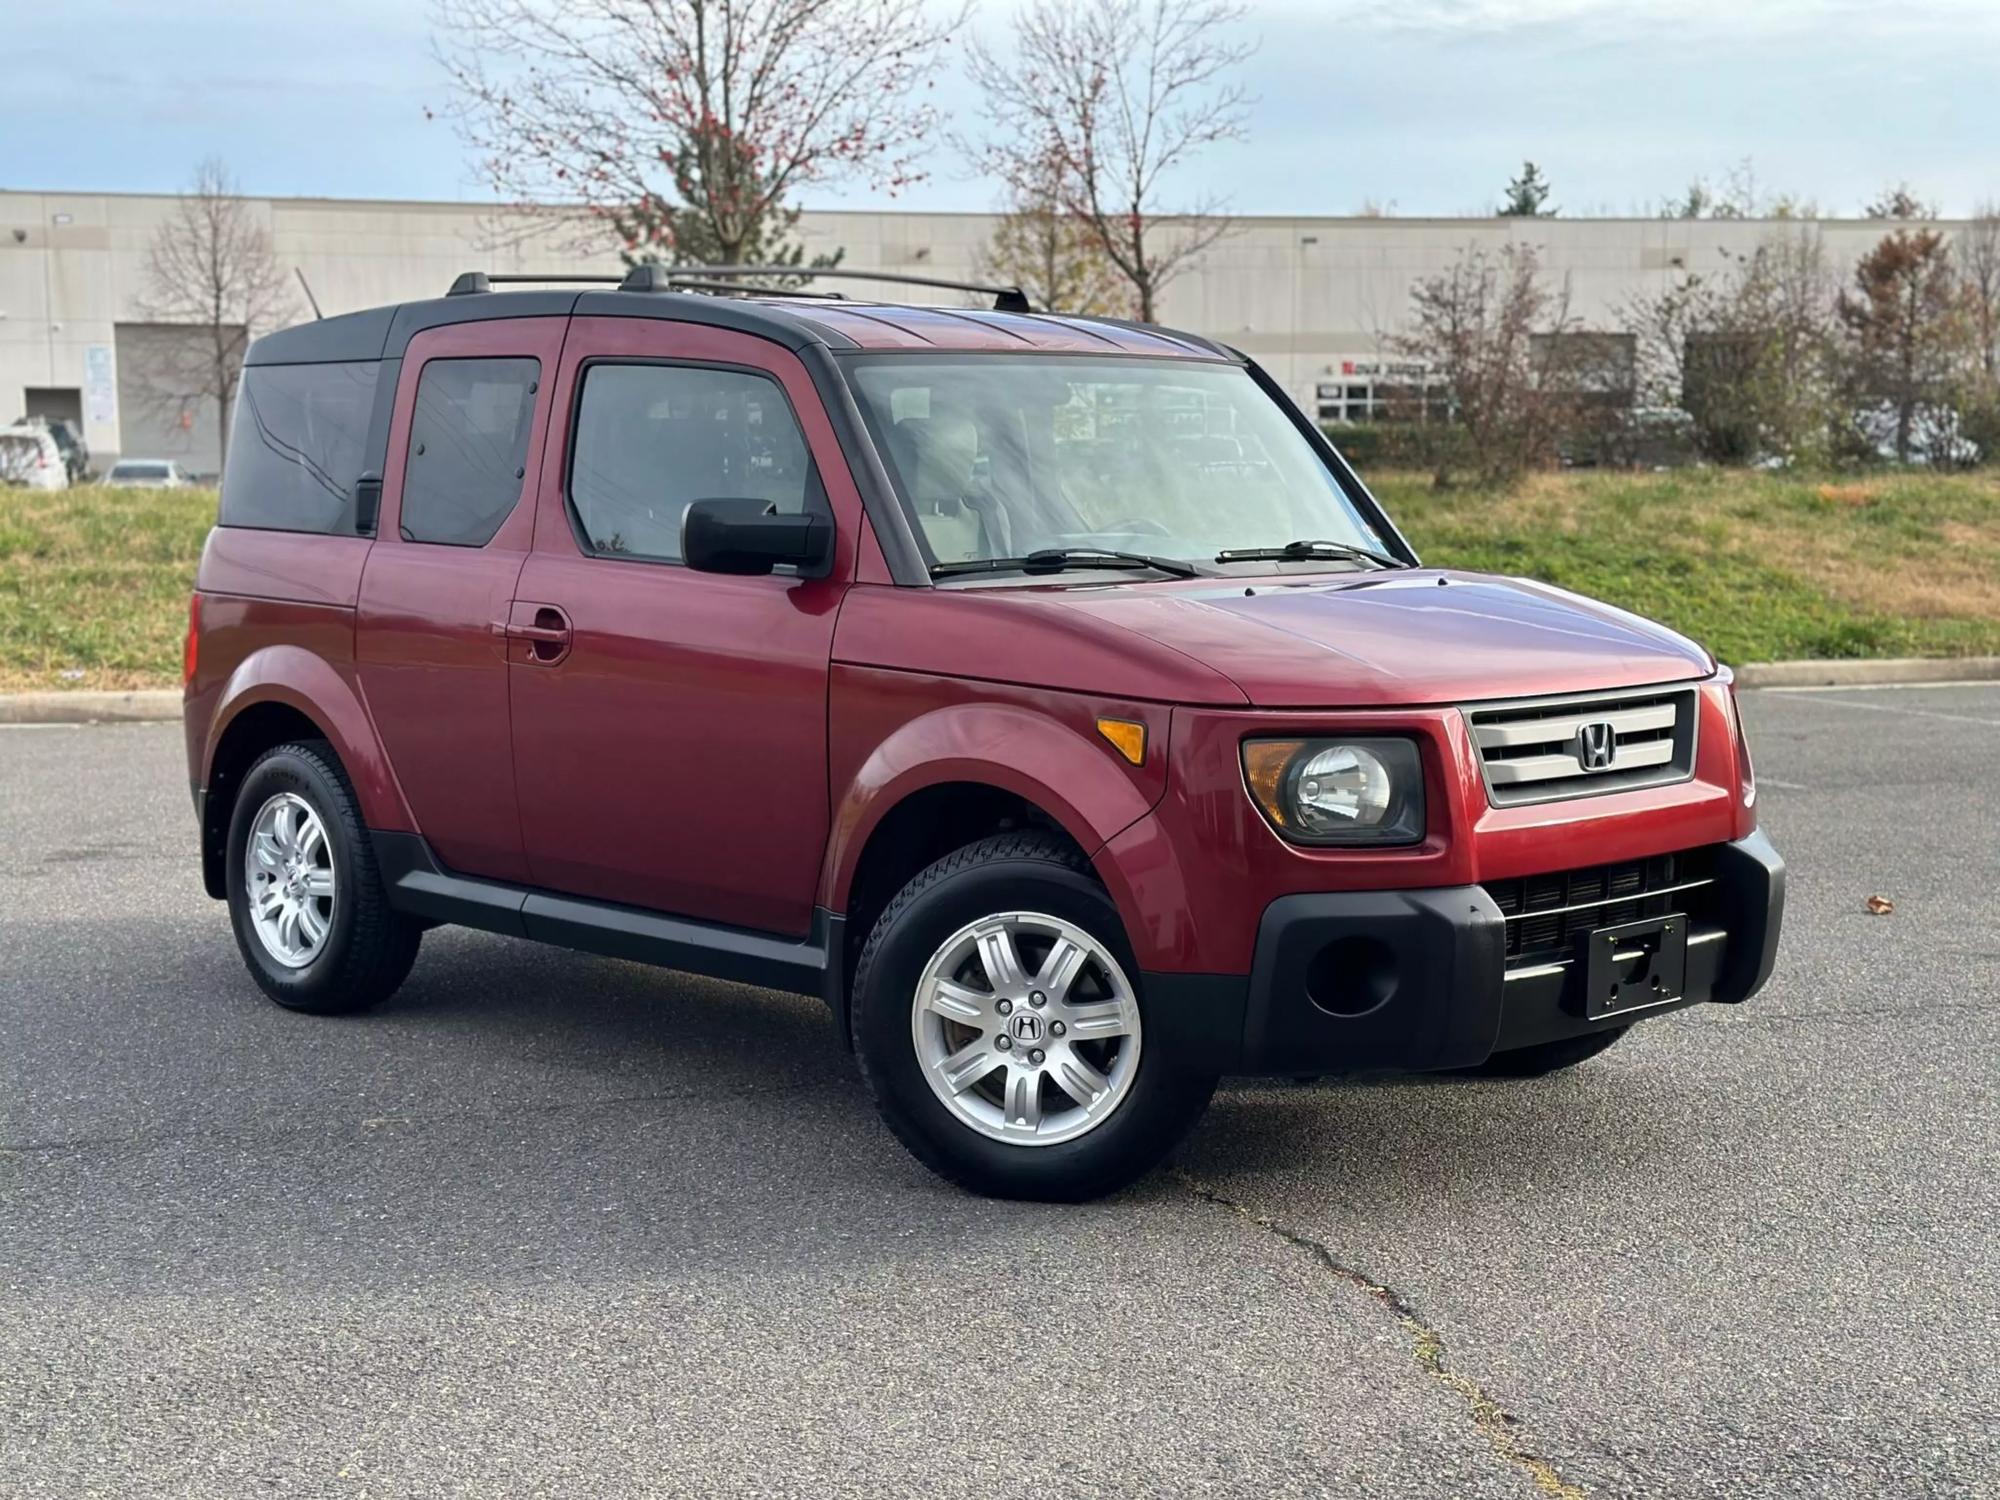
[(1605, 19)]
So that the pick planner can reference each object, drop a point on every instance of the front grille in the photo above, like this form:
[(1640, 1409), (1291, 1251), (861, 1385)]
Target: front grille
[(1540, 749), (1547, 913)]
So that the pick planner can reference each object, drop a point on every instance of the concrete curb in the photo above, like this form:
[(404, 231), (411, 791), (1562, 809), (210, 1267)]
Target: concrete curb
[(1885, 672), (81, 707), (149, 706)]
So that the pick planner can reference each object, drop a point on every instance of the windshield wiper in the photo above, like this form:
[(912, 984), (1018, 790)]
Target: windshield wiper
[(1062, 559), (1302, 551)]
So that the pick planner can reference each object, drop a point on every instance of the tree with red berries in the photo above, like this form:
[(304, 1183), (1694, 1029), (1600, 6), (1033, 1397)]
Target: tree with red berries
[(684, 129)]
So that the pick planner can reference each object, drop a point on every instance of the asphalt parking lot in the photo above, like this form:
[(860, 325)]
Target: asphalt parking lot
[(554, 1224)]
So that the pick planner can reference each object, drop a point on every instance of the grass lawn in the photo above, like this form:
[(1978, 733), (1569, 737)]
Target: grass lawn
[(1757, 567), (94, 585), (1760, 567)]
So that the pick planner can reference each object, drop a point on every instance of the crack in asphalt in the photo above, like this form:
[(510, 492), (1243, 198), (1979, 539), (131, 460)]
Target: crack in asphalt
[(1495, 1423)]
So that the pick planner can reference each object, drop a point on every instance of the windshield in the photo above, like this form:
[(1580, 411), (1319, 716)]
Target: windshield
[(1000, 456), (138, 471)]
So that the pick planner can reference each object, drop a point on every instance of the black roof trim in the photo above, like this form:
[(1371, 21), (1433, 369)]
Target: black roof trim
[(791, 327), (1172, 335), (385, 332), (413, 318), (350, 336)]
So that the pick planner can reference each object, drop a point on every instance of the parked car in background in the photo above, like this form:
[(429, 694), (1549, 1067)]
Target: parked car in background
[(29, 455), (69, 439), (147, 474), (1044, 693)]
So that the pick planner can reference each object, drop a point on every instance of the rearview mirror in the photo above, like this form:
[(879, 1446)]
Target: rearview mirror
[(749, 536)]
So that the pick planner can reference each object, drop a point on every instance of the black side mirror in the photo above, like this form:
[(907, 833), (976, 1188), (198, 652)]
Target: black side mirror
[(749, 536)]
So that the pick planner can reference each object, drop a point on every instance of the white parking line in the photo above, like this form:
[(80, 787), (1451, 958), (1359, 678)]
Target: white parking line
[(1882, 708), (1880, 687)]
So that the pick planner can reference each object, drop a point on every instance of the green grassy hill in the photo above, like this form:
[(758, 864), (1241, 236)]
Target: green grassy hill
[(1760, 567)]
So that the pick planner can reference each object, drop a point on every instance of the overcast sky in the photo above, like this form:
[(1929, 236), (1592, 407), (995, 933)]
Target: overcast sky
[(1420, 106)]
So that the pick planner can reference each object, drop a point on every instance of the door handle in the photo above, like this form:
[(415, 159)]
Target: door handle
[(543, 629)]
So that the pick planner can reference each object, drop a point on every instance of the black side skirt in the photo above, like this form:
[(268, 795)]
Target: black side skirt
[(421, 887)]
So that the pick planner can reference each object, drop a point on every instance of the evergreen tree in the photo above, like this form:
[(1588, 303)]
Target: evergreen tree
[(1527, 195)]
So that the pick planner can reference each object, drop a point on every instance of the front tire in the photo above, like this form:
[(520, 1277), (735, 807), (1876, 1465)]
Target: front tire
[(310, 911), (1000, 1029)]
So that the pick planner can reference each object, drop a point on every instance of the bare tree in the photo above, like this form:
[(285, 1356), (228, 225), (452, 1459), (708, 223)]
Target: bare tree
[(1747, 351), (1050, 254), (683, 127), (1739, 197), (1118, 94), (209, 267), (1899, 202), (1979, 257), (1501, 343)]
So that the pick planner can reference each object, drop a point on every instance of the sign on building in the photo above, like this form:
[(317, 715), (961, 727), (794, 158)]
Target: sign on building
[(100, 386)]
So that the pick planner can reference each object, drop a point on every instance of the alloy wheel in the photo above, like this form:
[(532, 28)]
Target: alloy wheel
[(1026, 1028), (289, 879)]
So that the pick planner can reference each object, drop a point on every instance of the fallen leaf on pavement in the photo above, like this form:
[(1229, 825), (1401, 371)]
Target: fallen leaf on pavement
[(1880, 906)]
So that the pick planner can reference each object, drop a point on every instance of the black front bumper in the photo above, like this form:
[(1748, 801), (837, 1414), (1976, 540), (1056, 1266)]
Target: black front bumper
[(1421, 980)]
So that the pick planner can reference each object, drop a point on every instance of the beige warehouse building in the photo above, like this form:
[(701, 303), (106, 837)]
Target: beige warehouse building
[(1313, 299)]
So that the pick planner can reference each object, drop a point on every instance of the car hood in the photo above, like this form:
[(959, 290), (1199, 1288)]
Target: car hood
[(1408, 637)]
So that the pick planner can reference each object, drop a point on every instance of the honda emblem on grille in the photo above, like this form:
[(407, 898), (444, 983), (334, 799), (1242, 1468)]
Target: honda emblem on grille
[(1596, 745)]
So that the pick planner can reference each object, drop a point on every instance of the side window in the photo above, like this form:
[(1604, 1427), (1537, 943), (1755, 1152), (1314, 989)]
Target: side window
[(651, 438), (468, 446), (296, 446)]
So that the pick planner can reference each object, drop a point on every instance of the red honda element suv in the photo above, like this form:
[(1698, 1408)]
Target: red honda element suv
[(1045, 693)]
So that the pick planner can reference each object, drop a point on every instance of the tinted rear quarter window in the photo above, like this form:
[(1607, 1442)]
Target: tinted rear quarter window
[(651, 438), (468, 448), (297, 444)]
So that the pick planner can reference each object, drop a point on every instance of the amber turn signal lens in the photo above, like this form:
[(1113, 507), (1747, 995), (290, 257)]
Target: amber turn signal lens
[(1127, 738), (1264, 763), (191, 648)]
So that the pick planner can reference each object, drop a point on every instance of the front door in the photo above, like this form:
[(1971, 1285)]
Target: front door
[(472, 405), (669, 725)]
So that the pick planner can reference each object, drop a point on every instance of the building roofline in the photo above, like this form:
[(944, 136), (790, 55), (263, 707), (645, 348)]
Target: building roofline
[(1376, 221)]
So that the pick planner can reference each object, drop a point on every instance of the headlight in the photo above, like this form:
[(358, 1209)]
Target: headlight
[(1338, 791)]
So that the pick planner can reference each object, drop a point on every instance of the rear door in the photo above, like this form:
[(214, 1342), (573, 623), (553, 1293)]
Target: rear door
[(472, 408), (669, 725)]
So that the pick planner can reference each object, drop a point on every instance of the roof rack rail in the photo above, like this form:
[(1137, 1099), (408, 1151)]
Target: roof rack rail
[(1005, 298), (467, 283), (653, 277), (704, 284)]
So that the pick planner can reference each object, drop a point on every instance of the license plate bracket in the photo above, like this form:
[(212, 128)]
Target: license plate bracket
[(1634, 966)]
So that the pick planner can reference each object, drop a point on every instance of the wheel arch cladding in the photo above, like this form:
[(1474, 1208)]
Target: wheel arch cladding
[(1074, 780), (280, 694)]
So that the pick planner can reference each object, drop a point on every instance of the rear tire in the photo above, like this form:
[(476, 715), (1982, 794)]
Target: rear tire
[(1547, 1057), (310, 911), (1058, 1098)]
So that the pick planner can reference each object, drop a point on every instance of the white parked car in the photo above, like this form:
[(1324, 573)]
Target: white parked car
[(30, 456), (147, 474)]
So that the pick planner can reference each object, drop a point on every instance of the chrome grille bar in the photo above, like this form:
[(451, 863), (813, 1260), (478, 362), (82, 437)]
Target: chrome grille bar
[(1560, 727), (1545, 749)]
